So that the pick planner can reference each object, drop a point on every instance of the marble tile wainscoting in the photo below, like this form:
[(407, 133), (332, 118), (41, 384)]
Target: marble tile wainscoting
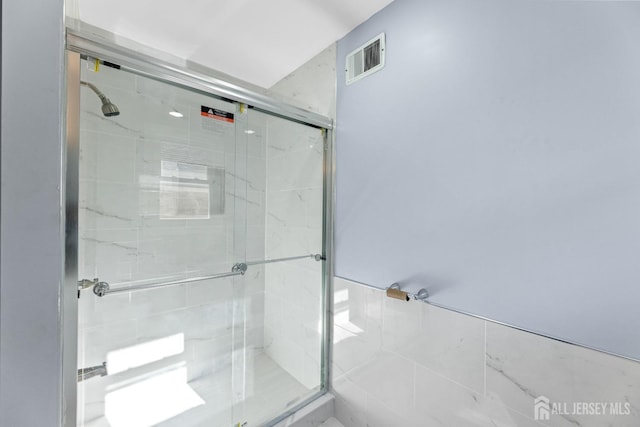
[(397, 363)]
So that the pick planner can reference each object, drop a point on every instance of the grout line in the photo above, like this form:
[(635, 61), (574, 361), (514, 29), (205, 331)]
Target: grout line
[(415, 386), (431, 370), (485, 359)]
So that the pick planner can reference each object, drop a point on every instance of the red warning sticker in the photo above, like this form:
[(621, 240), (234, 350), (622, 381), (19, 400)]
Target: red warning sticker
[(213, 113)]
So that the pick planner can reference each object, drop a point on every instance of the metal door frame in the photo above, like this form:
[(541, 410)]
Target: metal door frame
[(149, 65)]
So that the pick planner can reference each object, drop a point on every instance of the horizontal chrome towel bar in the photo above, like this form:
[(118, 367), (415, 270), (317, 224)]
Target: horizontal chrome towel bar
[(317, 257), (103, 288)]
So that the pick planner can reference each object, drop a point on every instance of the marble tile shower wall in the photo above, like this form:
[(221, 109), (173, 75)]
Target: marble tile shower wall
[(294, 221), (397, 363), (293, 290), (128, 232)]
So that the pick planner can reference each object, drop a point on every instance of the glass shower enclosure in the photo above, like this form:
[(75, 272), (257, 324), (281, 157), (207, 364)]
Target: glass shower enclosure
[(202, 241)]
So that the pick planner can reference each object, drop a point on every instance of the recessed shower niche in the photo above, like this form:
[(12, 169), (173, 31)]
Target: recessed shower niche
[(202, 252)]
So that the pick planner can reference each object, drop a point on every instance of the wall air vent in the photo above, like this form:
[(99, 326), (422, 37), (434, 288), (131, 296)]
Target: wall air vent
[(365, 60)]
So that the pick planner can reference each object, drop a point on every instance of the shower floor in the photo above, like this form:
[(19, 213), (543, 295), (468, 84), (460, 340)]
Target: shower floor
[(207, 401)]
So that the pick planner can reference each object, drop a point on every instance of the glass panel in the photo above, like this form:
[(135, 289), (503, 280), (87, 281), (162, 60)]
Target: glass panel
[(181, 185), (157, 186), (283, 300)]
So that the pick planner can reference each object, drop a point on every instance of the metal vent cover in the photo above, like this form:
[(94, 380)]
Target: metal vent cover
[(365, 60)]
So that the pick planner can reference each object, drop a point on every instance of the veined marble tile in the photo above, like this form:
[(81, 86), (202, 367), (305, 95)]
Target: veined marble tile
[(292, 241), (296, 170), (286, 353), (95, 342), (287, 137), (215, 140), (256, 173), (379, 414), (255, 242), (363, 304), (315, 213), (446, 342), (257, 134), (151, 302), (91, 403), (401, 324), (97, 311), (287, 208), (312, 371), (351, 402), (205, 247), (198, 323), (109, 235), (107, 77), (448, 351), (209, 291), (300, 283), (209, 356), (440, 402), (254, 309), (319, 96), (253, 280), (332, 422), (152, 152), (157, 123), (107, 157), (295, 208), (110, 254), (126, 124), (357, 326), (293, 319), (523, 366), (352, 350), (107, 205), (387, 377), (256, 204)]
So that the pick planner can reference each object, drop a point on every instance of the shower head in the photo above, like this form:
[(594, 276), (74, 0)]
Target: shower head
[(109, 109)]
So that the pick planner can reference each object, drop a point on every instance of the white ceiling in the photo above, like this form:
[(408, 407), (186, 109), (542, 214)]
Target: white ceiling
[(259, 41)]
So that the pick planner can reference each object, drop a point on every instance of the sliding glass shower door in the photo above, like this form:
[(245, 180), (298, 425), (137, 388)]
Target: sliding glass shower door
[(200, 256)]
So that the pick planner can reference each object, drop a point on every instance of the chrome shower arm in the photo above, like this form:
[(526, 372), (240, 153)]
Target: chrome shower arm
[(109, 109), (95, 89)]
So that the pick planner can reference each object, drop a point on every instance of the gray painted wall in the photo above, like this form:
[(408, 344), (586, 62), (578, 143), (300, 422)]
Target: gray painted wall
[(494, 160), (31, 234)]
